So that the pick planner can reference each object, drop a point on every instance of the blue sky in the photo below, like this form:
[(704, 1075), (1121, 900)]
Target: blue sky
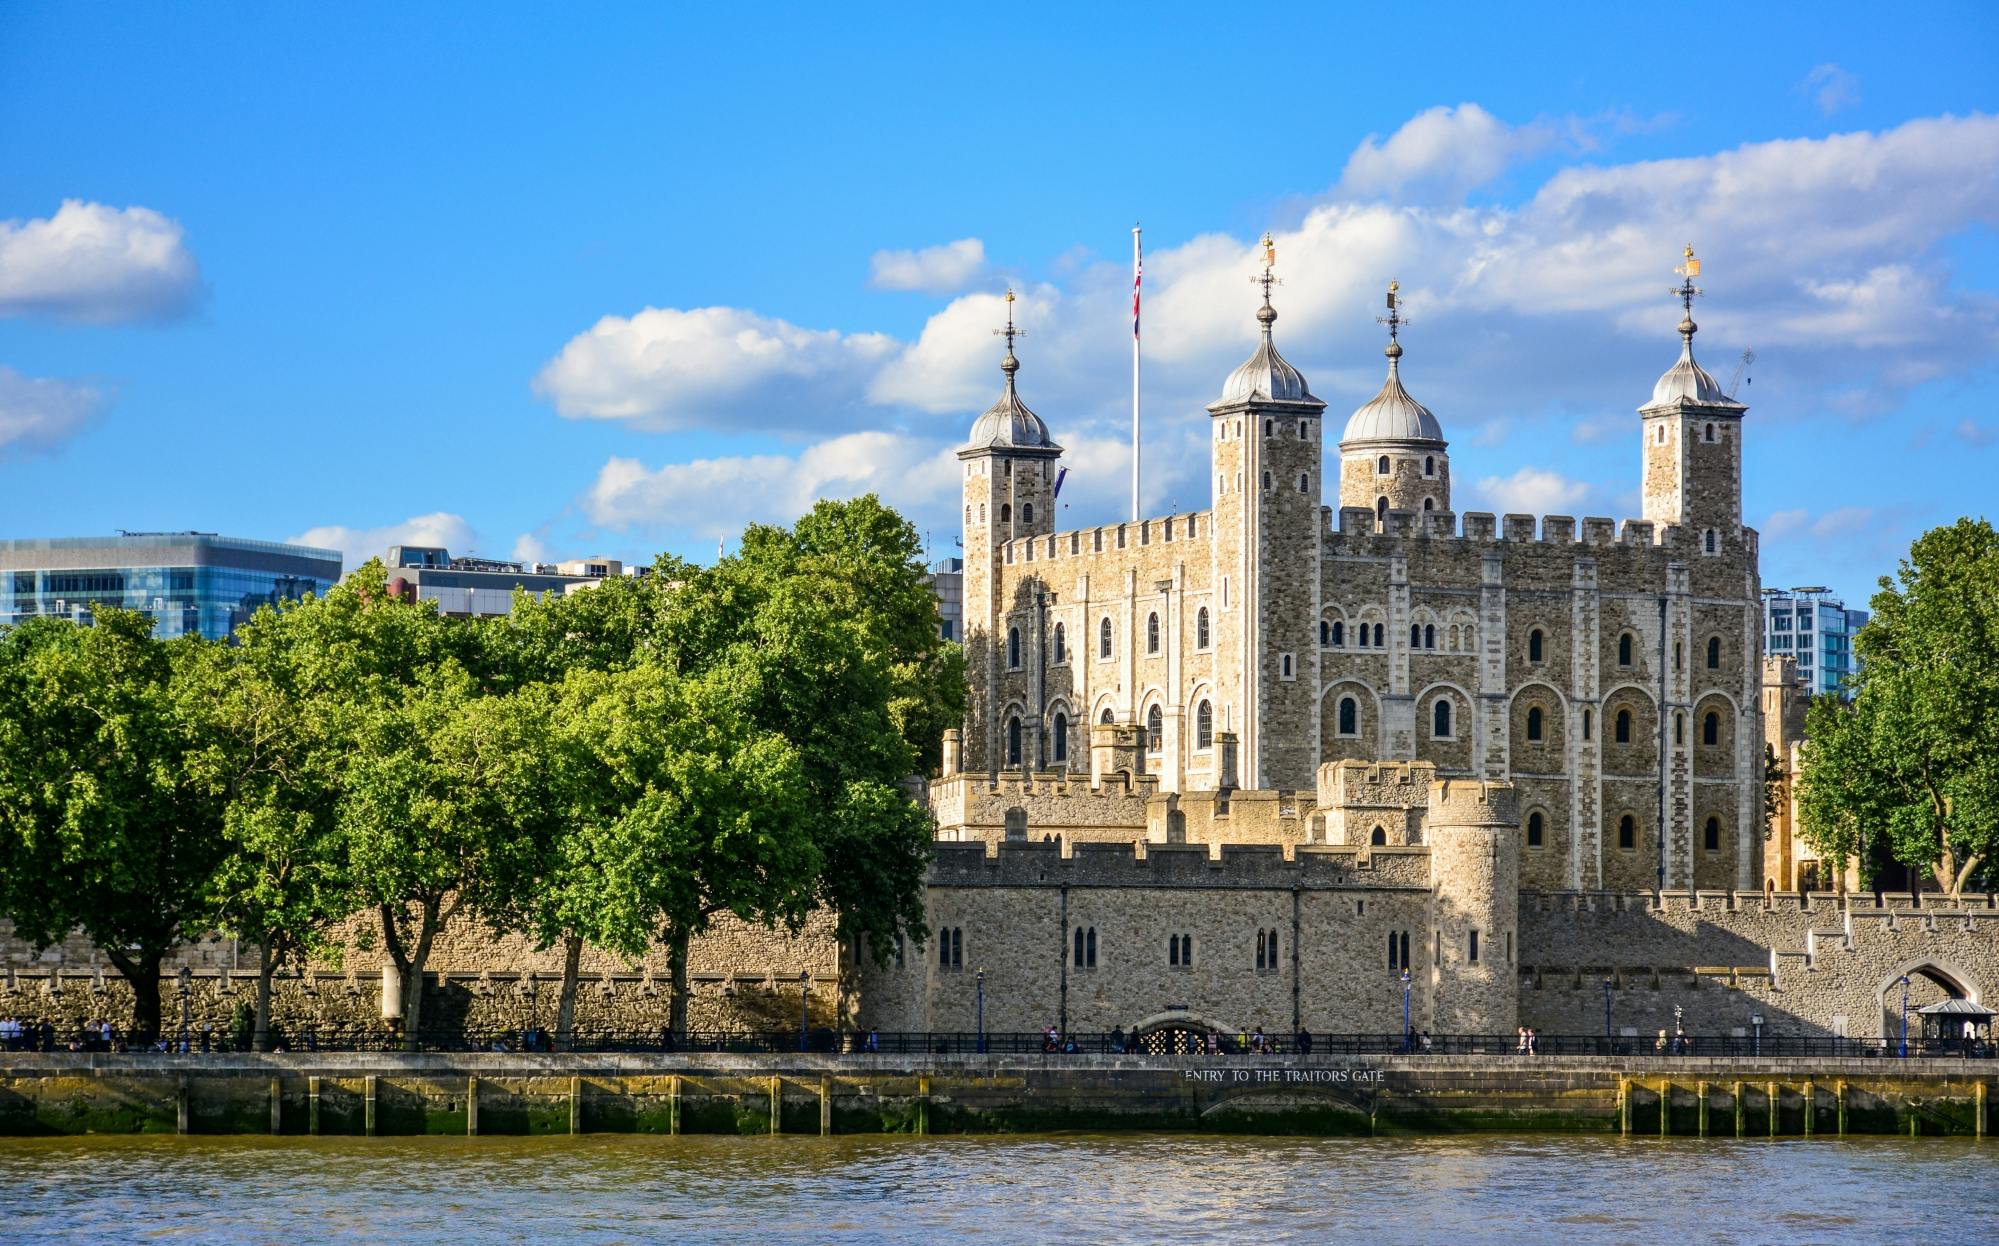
[(546, 282)]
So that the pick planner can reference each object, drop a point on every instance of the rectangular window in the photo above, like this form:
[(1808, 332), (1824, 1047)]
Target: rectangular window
[(1474, 947)]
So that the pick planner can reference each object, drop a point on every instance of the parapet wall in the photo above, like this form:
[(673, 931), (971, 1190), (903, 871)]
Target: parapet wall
[(1141, 866)]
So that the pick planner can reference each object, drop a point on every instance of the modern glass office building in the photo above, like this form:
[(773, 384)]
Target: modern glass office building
[(1815, 629), (190, 582)]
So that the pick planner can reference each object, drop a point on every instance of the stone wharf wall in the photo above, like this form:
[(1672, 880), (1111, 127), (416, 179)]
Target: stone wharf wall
[(369, 1094), (741, 977)]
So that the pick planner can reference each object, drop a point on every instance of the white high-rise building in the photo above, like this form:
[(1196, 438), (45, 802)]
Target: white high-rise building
[(1815, 630)]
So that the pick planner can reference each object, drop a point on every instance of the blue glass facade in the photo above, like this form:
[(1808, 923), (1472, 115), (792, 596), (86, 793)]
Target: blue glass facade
[(191, 583)]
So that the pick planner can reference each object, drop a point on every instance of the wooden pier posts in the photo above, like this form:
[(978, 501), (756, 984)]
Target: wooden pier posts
[(1741, 1113), (673, 1104), (1624, 1106), (575, 1106), (471, 1107), (312, 1106), (825, 1107), (277, 1107), (1702, 1090), (368, 1105)]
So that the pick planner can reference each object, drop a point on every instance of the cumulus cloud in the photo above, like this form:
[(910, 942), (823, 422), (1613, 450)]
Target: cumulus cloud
[(944, 269), (96, 263), (720, 496), (1827, 255), (666, 369), (1533, 491), (1801, 524), (1975, 433), (1441, 152), (1831, 88), (39, 413), (358, 545)]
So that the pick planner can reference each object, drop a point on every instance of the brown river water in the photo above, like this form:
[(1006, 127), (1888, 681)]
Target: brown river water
[(1129, 1188)]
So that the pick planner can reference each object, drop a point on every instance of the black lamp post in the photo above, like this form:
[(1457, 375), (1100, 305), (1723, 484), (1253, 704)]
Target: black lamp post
[(1405, 1011), (1756, 1021), (1607, 1033), (186, 977), (534, 1023), (804, 996), (980, 977), (1679, 1033), (1905, 1016)]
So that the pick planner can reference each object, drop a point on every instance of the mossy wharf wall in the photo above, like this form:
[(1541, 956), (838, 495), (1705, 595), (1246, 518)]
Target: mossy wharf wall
[(365, 1094)]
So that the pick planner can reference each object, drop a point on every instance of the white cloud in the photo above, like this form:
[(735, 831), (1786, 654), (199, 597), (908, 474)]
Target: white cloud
[(1975, 433), (1800, 524), (944, 269), (530, 548), (1831, 88), (1825, 254), (97, 263), (39, 413), (1533, 491), (358, 545), (1440, 152), (666, 369), (720, 496)]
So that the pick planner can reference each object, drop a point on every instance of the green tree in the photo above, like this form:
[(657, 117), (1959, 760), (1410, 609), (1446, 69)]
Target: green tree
[(104, 826), (273, 753), (1915, 757), (829, 633), (687, 809)]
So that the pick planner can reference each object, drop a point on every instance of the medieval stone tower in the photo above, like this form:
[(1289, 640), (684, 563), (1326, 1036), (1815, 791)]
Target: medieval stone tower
[(1009, 492), (1474, 838), (1693, 443), (1392, 455), (1267, 529)]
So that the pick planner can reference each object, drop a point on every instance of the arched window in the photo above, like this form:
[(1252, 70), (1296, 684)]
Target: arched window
[(1339, 633), (1714, 653), (1711, 835), (1380, 633), (1711, 729), (1708, 433), (1272, 947), (1349, 716), (1623, 732), (1536, 827), (1378, 837), (1627, 832), (1534, 722), (1006, 512), (1415, 636), (1027, 512), (1586, 724), (1201, 628), (1659, 434), (1059, 746), (1013, 740), (1079, 947), (968, 514), (1303, 434), (1624, 649), (1710, 540), (1104, 637), (1270, 428), (1204, 726), (1381, 466), (1677, 654), (1304, 482), (1325, 633), (1260, 951), (1534, 649), (1013, 647), (1429, 635), (1440, 720), (1429, 465), (1061, 644), (1090, 946), (1154, 729), (1360, 636), (1152, 632), (1381, 511), (1266, 482), (1429, 504), (1106, 717), (1679, 728)]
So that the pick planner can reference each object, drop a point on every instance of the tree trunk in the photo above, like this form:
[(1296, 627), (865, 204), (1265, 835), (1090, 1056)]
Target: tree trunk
[(143, 975), (676, 960), (565, 1009), (409, 957), (267, 963)]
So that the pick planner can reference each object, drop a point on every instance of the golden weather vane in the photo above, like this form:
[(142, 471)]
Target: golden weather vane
[(1267, 278), (1009, 333)]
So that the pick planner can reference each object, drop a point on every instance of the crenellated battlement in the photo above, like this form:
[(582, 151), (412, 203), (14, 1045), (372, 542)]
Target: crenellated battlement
[(1238, 866), (1179, 528), (1472, 803), (1352, 523)]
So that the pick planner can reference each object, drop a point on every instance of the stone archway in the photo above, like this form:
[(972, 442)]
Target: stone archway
[(1177, 1034), (1930, 981)]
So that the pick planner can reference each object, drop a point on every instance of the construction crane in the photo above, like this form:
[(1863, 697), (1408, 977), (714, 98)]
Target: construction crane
[(1741, 366)]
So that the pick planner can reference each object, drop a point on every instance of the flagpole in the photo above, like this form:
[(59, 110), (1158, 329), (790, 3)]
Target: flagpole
[(1137, 279)]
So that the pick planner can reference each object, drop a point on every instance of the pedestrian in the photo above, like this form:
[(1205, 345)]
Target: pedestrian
[(1304, 1042), (1256, 1043), (1520, 1040), (874, 1042), (1533, 1042), (1117, 1040), (1426, 1042)]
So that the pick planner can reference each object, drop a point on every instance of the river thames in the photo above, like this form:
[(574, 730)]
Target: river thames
[(1132, 1188)]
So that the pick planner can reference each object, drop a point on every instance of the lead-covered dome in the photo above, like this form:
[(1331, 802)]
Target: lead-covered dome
[(1392, 415), (1008, 424), (1265, 376), (1686, 382)]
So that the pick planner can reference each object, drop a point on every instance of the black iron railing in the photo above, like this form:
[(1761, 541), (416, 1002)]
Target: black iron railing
[(1170, 1043)]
